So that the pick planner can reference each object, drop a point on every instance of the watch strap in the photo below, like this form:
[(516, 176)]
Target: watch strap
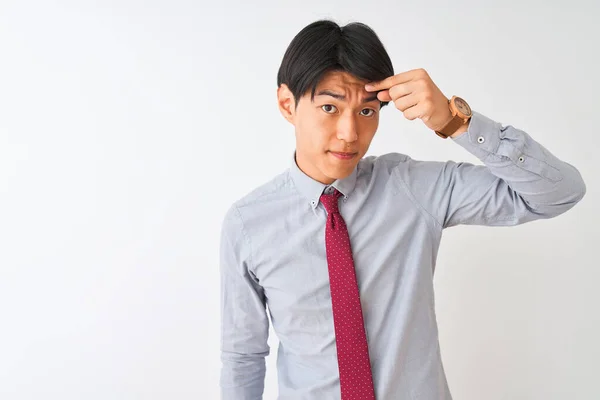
[(450, 127)]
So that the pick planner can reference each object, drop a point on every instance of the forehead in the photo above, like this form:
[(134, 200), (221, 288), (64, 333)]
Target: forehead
[(341, 79)]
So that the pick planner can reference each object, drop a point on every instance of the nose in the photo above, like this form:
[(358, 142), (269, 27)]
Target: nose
[(347, 129)]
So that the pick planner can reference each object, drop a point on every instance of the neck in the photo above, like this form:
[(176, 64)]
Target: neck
[(312, 171)]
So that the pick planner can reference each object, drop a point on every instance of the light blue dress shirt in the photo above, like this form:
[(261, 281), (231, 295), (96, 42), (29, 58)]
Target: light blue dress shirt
[(272, 259)]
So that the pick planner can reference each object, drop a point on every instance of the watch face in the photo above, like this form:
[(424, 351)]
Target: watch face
[(462, 106)]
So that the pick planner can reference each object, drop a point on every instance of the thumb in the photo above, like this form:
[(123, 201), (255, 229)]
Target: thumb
[(384, 95)]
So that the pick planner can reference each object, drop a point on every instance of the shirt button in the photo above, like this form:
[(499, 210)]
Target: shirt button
[(480, 139), (521, 159), (313, 202)]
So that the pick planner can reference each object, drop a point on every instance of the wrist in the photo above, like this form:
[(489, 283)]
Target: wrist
[(459, 116), (461, 129)]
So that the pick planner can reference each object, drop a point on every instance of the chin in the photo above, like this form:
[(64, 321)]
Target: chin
[(340, 172)]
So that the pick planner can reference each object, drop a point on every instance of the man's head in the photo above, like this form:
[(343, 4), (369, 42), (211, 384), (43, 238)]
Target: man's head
[(321, 92)]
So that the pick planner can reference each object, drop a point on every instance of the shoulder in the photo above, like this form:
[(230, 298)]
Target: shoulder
[(404, 168), (382, 163), (256, 200), (399, 162), (383, 159)]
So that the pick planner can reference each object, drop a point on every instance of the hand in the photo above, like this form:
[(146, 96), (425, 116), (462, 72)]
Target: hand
[(415, 94)]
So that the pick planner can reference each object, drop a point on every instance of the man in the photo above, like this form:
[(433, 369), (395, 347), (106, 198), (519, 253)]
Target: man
[(342, 248)]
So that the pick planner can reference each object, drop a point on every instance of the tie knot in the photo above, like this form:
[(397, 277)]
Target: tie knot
[(330, 201)]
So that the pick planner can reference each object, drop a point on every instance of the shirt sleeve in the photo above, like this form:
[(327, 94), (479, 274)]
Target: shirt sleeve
[(520, 180), (244, 321)]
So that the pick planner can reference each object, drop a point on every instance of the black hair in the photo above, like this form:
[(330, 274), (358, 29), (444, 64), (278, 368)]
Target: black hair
[(325, 46)]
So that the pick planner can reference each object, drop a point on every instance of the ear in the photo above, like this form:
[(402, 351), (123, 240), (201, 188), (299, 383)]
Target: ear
[(286, 103)]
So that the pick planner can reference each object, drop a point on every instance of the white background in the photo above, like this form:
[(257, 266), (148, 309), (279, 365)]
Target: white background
[(127, 128)]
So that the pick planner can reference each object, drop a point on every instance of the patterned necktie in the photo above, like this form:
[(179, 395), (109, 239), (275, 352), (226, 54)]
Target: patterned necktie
[(356, 380)]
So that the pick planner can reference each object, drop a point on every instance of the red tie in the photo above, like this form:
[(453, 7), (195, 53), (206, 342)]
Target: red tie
[(356, 380)]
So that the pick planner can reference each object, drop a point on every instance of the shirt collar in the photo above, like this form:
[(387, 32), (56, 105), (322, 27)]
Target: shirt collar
[(312, 189)]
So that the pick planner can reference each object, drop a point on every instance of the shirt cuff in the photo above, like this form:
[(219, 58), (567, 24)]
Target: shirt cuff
[(482, 137), (500, 146)]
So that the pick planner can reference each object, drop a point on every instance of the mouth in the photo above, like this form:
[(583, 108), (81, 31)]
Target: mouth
[(343, 155)]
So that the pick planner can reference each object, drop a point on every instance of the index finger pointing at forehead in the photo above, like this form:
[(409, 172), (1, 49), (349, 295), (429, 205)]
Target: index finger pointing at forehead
[(390, 81)]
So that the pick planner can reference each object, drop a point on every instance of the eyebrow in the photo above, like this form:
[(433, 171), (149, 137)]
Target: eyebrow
[(341, 97)]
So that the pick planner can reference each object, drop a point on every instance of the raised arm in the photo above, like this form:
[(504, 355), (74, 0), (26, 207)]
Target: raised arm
[(520, 180)]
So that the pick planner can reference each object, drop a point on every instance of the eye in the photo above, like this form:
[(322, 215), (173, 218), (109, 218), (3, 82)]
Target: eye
[(368, 109), (327, 108)]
